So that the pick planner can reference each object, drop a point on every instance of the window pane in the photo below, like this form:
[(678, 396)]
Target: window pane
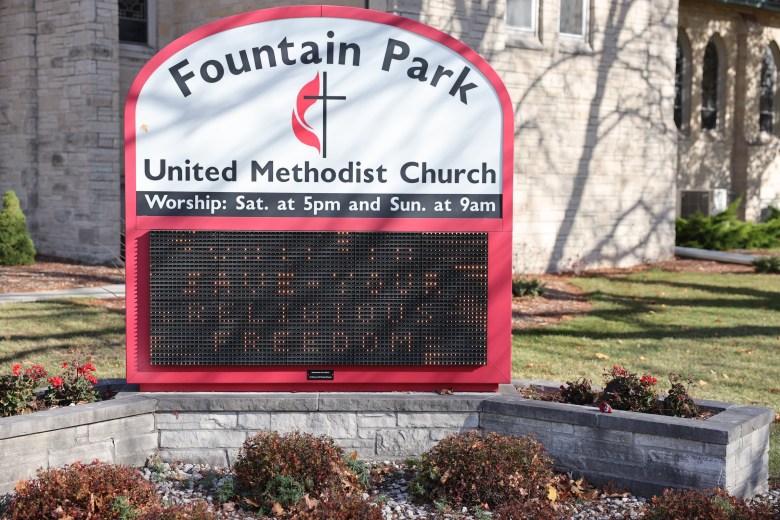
[(520, 14), (767, 92), (133, 21), (678, 87), (709, 88), (573, 17)]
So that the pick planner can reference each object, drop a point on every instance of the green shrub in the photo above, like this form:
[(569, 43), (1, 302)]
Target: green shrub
[(713, 504), (724, 231), (16, 246), (767, 264), (82, 491), (470, 469), (625, 390), (678, 402), (315, 463), (527, 287), (578, 392)]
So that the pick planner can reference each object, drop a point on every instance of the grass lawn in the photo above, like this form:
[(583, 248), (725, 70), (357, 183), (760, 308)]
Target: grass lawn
[(721, 329), (50, 332)]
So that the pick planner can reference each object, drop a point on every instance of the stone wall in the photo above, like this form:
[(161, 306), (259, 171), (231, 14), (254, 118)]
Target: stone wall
[(119, 431), (594, 150), (62, 123), (643, 453)]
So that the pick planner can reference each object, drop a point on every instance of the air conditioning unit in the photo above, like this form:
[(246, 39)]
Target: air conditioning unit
[(706, 202)]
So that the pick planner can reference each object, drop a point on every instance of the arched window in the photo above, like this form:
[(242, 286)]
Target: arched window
[(768, 92), (709, 88), (133, 21), (682, 83)]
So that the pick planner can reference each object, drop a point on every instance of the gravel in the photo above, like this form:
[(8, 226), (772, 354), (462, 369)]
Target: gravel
[(184, 483)]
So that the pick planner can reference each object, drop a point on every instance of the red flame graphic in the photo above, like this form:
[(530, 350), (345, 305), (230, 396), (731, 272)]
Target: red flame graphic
[(303, 131)]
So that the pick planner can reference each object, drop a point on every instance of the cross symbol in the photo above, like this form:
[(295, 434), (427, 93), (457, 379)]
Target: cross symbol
[(325, 98)]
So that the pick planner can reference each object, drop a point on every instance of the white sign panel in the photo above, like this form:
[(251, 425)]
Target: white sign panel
[(316, 117)]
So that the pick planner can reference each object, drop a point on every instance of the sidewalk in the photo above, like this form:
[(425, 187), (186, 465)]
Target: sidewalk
[(108, 291)]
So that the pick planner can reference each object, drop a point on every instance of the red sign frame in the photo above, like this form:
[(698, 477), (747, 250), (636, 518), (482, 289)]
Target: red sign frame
[(294, 378)]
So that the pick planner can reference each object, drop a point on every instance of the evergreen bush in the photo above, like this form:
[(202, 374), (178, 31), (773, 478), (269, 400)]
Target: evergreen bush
[(16, 246), (724, 231)]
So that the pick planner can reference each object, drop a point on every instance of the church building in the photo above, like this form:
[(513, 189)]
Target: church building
[(628, 113)]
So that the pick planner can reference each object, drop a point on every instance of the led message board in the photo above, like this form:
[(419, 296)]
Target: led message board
[(318, 198)]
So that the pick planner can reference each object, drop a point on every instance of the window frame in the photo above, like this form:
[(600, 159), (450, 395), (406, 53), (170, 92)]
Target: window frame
[(685, 76), (534, 29), (151, 28), (585, 22), (772, 51), (717, 111)]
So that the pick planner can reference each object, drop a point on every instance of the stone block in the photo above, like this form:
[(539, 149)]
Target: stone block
[(75, 416), (600, 434), (541, 410), (336, 425), (86, 453), (438, 420), (376, 420), (146, 443), (181, 439), (654, 441), (121, 427), (370, 402), (196, 421), (235, 402), (16, 468), (213, 457), (394, 443), (254, 421)]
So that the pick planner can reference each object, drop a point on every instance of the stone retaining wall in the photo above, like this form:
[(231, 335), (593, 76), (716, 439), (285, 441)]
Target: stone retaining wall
[(644, 453)]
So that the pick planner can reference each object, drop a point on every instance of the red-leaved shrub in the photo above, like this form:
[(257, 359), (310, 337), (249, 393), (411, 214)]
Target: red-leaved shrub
[(712, 504), (471, 469), (81, 491)]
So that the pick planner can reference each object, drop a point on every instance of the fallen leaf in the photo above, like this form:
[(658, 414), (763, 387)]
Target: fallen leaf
[(277, 509), (144, 127), (353, 455), (552, 493), (774, 390), (445, 391), (777, 417), (725, 376), (599, 355), (308, 502), (718, 320), (642, 358), (529, 365), (702, 382)]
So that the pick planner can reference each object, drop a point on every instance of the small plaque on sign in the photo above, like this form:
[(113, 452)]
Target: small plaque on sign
[(319, 375)]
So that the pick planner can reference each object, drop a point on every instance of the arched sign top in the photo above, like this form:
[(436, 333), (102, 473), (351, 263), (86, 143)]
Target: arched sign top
[(318, 117)]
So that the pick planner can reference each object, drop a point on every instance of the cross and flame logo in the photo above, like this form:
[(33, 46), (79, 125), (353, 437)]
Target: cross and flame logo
[(308, 96)]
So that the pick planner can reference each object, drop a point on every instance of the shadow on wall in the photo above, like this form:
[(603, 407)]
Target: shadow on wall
[(628, 229)]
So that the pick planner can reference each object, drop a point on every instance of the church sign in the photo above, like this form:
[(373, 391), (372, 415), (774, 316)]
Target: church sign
[(318, 198)]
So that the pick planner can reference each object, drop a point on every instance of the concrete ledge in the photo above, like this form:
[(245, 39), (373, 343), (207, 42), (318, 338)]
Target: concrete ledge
[(641, 452)]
